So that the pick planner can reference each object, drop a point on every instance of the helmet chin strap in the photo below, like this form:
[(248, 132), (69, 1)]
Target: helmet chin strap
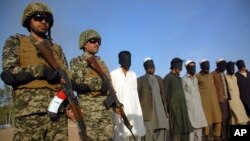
[(49, 35)]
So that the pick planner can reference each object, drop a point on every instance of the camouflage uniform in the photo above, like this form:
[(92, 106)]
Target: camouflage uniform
[(31, 104), (98, 120)]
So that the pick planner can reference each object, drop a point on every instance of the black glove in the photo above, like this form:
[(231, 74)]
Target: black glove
[(51, 75), (80, 88), (15, 80), (8, 78), (23, 78)]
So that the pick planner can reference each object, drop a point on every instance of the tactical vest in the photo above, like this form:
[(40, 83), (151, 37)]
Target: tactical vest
[(94, 74), (28, 55)]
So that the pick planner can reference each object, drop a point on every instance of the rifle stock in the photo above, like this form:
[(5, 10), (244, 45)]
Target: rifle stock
[(46, 52), (111, 100)]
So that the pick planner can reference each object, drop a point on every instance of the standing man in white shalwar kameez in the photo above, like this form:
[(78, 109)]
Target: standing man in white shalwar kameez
[(125, 85), (193, 98)]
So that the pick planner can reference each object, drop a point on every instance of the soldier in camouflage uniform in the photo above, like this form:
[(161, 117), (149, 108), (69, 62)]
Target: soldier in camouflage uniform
[(91, 89), (34, 82)]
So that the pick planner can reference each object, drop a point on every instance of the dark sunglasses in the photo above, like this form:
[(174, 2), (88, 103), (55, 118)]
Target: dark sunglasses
[(94, 40), (39, 17)]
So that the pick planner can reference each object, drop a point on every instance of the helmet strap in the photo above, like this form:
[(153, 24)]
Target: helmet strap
[(49, 36)]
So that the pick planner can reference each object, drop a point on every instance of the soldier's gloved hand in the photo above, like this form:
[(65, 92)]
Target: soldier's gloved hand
[(51, 75), (15, 80), (80, 88), (8, 78), (23, 78)]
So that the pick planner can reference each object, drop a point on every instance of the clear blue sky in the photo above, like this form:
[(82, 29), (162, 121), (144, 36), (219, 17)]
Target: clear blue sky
[(160, 29)]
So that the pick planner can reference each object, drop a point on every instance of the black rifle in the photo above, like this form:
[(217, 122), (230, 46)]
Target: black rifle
[(46, 52), (111, 100)]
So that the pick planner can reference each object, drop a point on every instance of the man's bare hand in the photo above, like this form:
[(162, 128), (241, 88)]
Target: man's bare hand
[(70, 115)]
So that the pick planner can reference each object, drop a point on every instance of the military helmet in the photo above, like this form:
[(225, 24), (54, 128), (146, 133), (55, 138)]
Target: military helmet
[(86, 35), (35, 8)]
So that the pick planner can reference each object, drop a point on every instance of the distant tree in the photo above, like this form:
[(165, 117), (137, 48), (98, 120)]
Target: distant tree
[(1, 97), (6, 105)]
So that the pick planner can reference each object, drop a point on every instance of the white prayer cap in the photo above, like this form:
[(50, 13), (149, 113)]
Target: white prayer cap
[(146, 59), (203, 60), (219, 60), (188, 62), (148, 63)]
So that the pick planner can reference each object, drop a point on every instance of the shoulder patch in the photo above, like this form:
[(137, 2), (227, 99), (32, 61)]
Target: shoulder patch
[(17, 35)]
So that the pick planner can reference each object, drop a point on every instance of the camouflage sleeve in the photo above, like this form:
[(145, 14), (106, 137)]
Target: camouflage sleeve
[(79, 69), (10, 59)]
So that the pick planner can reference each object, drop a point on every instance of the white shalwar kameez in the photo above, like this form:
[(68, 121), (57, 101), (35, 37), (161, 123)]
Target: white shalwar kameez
[(126, 90)]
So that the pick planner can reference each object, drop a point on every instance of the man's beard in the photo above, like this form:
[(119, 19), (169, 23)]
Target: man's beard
[(40, 33)]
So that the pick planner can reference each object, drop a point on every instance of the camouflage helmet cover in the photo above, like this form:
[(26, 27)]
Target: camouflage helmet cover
[(86, 35), (35, 8)]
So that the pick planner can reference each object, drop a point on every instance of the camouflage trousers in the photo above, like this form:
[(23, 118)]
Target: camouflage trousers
[(99, 121), (39, 127)]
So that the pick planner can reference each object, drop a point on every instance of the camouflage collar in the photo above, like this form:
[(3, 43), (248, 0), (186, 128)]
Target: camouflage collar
[(87, 55), (32, 39)]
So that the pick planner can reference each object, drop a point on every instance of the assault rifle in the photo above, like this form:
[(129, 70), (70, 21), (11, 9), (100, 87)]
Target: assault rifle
[(46, 52), (111, 100)]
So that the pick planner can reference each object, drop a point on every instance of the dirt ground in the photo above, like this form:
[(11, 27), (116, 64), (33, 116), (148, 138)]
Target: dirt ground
[(7, 134)]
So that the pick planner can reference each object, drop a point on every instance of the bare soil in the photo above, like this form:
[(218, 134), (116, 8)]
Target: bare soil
[(7, 134)]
